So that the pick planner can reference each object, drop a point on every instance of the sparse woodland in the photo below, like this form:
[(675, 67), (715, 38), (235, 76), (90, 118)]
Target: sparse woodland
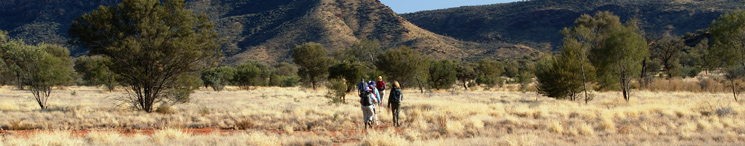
[(156, 75)]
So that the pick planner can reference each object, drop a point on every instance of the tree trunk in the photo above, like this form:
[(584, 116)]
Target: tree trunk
[(624, 90), (734, 93), (465, 85)]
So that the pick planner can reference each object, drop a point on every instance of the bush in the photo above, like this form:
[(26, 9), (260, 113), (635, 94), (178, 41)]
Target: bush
[(95, 71), (290, 81), (350, 71), (251, 73), (337, 88), (218, 77), (442, 74), (489, 72), (690, 71)]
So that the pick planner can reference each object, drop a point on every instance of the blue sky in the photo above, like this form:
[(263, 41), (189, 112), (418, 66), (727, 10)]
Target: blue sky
[(407, 6)]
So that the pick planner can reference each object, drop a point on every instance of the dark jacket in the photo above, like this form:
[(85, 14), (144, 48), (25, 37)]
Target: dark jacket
[(395, 96)]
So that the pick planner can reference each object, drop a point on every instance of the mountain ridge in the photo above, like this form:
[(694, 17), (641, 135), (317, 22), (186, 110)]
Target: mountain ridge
[(537, 23), (267, 30)]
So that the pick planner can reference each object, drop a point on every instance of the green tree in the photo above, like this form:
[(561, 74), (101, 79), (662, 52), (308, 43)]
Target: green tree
[(588, 34), (218, 77), (465, 73), (728, 48), (152, 44), (285, 75), (38, 67), (732, 74), (95, 71), (511, 69), (489, 72), (621, 55), (404, 65), (442, 74), (313, 62), (251, 73), (562, 77), (365, 51), (668, 51), (349, 71)]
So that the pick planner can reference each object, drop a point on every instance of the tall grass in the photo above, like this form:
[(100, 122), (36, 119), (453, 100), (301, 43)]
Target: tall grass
[(291, 116)]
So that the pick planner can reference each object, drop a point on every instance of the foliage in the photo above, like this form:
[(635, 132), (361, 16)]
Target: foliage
[(38, 67), (337, 89), (349, 71), (152, 45), (621, 54), (561, 76), (251, 73), (218, 77), (535, 22), (728, 48), (95, 71), (465, 73), (285, 75), (313, 62), (489, 73), (405, 65), (668, 51), (442, 74)]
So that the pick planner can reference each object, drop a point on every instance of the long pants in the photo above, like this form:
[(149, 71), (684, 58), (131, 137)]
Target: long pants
[(375, 110), (395, 109), (367, 114)]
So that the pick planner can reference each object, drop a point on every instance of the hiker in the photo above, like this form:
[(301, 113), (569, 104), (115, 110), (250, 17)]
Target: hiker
[(376, 108), (394, 102), (381, 88), (367, 101), (361, 87)]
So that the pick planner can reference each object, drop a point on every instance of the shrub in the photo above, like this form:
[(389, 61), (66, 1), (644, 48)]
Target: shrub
[(442, 74), (251, 73), (244, 124), (164, 109), (218, 77), (337, 88)]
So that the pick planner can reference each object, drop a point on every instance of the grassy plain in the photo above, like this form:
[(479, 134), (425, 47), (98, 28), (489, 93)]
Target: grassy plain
[(298, 116)]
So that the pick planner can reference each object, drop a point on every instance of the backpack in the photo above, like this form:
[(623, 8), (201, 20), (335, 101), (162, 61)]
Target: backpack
[(365, 99), (395, 96)]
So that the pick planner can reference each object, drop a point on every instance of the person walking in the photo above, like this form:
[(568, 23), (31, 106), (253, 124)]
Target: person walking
[(367, 102), (381, 88), (394, 103), (376, 108), (361, 87)]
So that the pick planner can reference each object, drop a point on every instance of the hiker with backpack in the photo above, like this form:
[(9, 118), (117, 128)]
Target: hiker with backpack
[(368, 101), (376, 108), (394, 102), (380, 85), (361, 87)]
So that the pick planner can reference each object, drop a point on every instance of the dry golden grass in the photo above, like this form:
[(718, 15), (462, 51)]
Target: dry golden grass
[(298, 116)]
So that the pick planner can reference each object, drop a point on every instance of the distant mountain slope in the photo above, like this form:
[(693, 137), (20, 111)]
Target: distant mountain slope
[(266, 30), (538, 22)]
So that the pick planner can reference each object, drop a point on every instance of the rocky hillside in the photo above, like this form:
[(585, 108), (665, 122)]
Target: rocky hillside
[(267, 30), (537, 22)]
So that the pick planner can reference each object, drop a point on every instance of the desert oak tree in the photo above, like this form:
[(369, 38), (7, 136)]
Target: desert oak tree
[(152, 44)]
